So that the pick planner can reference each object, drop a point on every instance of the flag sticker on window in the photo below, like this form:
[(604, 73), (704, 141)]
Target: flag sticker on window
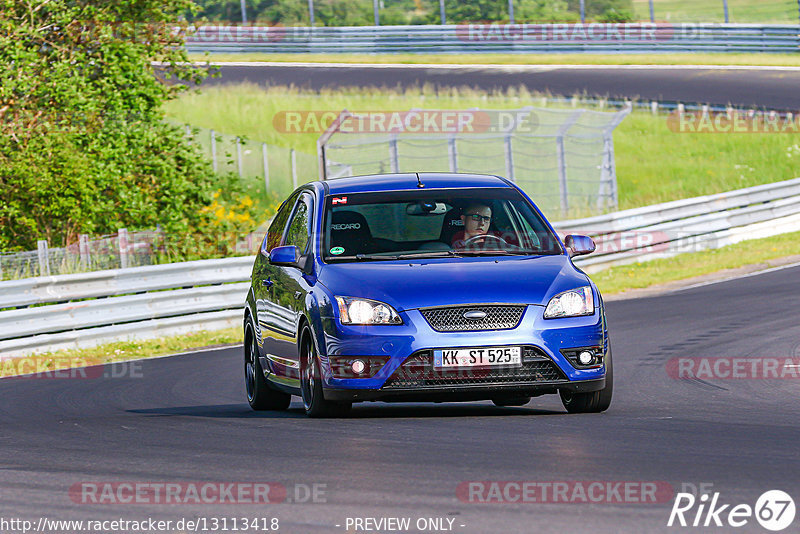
[(339, 200)]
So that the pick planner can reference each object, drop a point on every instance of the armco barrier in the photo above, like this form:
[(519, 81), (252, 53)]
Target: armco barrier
[(42, 314), (506, 38), (688, 225)]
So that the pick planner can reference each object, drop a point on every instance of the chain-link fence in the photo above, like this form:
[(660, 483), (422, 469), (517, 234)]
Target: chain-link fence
[(262, 167), (564, 159), (123, 249), (367, 12), (117, 251)]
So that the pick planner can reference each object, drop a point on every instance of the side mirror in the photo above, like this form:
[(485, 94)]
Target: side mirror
[(287, 256), (578, 245)]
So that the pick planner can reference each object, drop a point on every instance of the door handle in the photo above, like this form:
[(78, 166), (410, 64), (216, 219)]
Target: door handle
[(267, 283), (297, 294)]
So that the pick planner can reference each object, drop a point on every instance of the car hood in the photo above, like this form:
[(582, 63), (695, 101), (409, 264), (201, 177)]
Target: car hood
[(441, 282)]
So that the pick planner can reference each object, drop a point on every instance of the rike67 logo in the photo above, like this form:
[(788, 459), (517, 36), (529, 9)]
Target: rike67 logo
[(774, 510)]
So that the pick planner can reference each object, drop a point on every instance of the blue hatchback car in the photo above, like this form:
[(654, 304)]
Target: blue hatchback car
[(421, 287)]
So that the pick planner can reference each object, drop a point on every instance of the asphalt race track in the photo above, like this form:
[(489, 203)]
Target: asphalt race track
[(762, 88), (185, 418)]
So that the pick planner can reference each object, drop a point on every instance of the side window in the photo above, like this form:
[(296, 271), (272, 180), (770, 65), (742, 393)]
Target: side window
[(275, 231), (298, 234)]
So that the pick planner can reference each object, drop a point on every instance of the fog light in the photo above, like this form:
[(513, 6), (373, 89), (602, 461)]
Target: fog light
[(585, 358), (358, 366)]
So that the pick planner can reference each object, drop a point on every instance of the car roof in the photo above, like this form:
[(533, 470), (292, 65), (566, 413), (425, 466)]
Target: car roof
[(408, 182)]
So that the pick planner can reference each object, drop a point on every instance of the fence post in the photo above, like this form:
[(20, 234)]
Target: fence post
[(394, 162), (266, 166), (452, 153), (562, 175), (562, 160), (188, 133), (725, 9), (239, 155), (652, 12), (44, 257), (608, 172), (511, 11), (294, 169), (509, 159), (83, 248), (123, 247), (311, 13), (442, 13), (214, 150), (654, 107)]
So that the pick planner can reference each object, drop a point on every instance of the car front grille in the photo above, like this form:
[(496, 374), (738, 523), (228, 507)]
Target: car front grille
[(452, 319), (418, 372)]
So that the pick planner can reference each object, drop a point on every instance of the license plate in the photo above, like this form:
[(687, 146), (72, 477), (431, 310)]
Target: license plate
[(477, 357)]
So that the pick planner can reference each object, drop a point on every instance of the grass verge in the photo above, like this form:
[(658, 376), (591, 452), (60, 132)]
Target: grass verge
[(118, 351), (741, 11), (690, 265), (770, 60)]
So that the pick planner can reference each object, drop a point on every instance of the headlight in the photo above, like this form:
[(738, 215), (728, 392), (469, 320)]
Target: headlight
[(365, 311), (571, 303)]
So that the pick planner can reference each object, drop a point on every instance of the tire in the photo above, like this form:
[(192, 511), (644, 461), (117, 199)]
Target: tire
[(311, 382), (593, 401), (260, 395), (511, 401)]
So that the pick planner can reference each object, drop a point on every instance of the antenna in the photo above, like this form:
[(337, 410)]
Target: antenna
[(419, 182)]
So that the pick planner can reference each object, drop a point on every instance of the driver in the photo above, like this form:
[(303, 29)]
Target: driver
[(477, 218)]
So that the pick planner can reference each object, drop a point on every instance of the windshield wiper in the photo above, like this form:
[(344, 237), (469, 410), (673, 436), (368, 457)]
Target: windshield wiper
[(430, 254), (499, 252), (377, 257), (362, 257)]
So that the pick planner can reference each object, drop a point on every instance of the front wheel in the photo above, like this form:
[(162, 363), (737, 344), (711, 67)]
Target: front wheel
[(311, 383), (259, 395), (592, 401)]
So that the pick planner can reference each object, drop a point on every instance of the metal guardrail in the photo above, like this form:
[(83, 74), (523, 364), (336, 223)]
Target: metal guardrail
[(49, 313), (688, 225), (472, 38), (53, 289), (77, 310)]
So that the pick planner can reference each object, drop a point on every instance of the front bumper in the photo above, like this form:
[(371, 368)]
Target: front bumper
[(461, 393), (399, 343)]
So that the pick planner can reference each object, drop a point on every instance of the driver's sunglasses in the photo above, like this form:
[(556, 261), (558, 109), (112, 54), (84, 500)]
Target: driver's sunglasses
[(478, 218)]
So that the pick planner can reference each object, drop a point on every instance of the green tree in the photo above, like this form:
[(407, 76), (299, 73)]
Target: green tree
[(84, 147), (605, 10), (344, 12), (286, 12), (497, 11)]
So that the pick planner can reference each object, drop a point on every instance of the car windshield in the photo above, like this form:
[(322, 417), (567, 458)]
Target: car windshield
[(434, 223)]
